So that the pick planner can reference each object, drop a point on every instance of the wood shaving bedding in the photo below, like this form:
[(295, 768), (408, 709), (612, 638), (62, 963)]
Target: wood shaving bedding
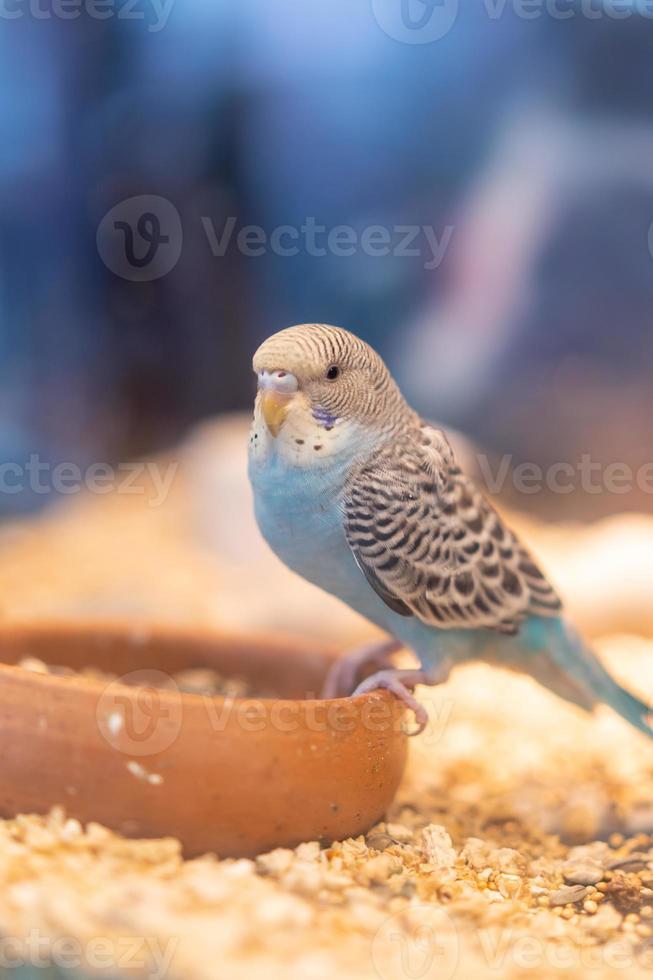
[(520, 844)]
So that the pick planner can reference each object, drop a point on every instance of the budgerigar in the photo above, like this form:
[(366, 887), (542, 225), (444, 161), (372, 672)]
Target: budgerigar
[(360, 496)]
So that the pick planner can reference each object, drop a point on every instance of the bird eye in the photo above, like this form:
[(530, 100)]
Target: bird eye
[(333, 372)]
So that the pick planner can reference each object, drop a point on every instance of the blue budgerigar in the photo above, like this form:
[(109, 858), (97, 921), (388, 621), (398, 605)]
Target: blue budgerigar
[(356, 493)]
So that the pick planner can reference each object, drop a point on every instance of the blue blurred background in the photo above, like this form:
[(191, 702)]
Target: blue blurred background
[(519, 134)]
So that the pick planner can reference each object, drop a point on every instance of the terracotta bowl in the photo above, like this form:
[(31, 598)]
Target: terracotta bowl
[(232, 775)]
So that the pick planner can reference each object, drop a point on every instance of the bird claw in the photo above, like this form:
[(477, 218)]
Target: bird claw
[(343, 674), (399, 682)]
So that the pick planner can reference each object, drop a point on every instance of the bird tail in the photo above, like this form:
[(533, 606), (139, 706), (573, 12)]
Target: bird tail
[(572, 670)]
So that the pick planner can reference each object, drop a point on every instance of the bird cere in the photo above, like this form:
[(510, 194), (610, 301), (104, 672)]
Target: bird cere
[(360, 496)]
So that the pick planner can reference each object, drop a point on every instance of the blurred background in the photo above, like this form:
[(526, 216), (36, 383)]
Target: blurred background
[(469, 187)]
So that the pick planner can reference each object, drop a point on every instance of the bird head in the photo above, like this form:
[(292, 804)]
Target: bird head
[(324, 373)]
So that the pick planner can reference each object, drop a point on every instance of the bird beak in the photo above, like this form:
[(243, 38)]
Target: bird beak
[(275, 405), (277, 390)]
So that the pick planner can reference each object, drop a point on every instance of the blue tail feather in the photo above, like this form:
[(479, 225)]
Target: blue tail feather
[(571, 669)]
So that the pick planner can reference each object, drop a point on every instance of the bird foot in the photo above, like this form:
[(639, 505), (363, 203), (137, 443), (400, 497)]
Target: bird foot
[(345, 672), (401, 683)]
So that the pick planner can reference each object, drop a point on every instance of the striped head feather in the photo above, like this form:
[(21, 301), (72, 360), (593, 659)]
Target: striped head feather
[(340, 376)]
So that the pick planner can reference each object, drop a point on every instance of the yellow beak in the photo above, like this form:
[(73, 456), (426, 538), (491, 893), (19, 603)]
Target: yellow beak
[(275, 406)]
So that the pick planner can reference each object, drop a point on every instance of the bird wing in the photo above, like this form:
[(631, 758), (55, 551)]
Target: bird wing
[(432, 546)]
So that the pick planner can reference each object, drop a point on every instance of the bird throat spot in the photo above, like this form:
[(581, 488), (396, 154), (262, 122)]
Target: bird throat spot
[(324, 418)]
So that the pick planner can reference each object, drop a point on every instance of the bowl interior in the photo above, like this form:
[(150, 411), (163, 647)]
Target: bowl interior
[(288, 667)]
